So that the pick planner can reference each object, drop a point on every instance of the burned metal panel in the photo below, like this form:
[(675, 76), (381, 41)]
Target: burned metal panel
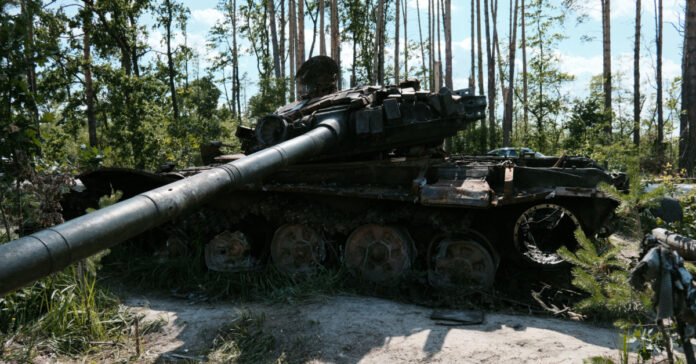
[(468, 192)]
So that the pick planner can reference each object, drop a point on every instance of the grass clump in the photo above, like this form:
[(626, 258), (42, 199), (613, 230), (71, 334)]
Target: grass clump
[(243, 341), (68, 313), (65, 314)]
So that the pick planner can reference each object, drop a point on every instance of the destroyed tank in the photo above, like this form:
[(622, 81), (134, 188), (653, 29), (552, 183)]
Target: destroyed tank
[(355, 177)]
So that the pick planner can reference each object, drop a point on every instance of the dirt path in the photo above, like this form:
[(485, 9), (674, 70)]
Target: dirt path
[(347, 329)]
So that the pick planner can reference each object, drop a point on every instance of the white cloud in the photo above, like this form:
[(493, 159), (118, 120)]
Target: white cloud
[(208, 16), (671, 10), (581, 66)]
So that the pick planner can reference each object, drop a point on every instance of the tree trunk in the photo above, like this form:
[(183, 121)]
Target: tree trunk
[(134, 45), (636, 79), (472, 77), (688, 124), (281, 46), (87, 67), (606, 42), (336, 42), (484, 137), (525, 88), (420, 33), (658, 80), (405, 14), (300, 51), (449, 82), (322, 30), (431, 44), (274, 39), (379, 42), (236, 86), (292, 46), (479, 47), (315, 21), (396, 43), (507, 120), (170, 59), (496, 52), (31, 65), (490, 57)]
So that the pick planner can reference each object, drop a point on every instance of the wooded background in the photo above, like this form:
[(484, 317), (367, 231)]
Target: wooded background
[(82, 87)]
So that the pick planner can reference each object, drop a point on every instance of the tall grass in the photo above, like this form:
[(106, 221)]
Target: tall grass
[(66, 313)]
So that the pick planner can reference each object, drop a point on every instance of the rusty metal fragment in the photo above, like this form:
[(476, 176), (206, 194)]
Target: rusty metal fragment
[(229, 252)]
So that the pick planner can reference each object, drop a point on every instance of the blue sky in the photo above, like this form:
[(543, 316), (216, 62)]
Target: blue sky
[(583, 59)]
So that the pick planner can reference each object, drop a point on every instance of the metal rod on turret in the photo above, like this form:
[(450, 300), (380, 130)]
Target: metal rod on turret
[(35, 256)]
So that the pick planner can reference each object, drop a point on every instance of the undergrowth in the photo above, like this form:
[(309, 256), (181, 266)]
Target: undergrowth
[(68, 313)]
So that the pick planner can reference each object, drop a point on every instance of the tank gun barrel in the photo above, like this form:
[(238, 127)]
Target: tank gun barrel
[(32, 257)]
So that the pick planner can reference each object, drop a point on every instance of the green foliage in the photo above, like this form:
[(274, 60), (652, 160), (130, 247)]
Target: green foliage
[(600, 273), (634, 217), (687, 226)]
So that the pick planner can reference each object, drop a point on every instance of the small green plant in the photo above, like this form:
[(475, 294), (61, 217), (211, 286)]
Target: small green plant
[(243, 341), (604, 277), (635, 220)]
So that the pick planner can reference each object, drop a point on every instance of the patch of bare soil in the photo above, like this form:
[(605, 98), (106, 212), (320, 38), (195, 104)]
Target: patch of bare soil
[(348, 329)]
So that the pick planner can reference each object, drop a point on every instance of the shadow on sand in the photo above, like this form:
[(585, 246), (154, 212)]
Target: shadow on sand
[(350, 329)]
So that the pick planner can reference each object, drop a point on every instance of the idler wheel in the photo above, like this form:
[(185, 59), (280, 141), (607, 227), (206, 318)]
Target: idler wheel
[(297, 249), (229, 252), (380, 254), (461, 262), (541, 230)]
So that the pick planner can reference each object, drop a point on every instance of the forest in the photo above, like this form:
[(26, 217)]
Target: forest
[(146, 85), (84, 85)]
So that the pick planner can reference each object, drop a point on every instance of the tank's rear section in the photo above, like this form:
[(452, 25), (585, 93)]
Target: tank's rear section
[(389, 201)]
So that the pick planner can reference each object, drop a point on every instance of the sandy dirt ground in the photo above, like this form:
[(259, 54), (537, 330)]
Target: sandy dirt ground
[(348, 329)]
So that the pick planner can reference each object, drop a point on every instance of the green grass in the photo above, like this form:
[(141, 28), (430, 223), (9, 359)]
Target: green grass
[(243, 341), (66, 313)]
